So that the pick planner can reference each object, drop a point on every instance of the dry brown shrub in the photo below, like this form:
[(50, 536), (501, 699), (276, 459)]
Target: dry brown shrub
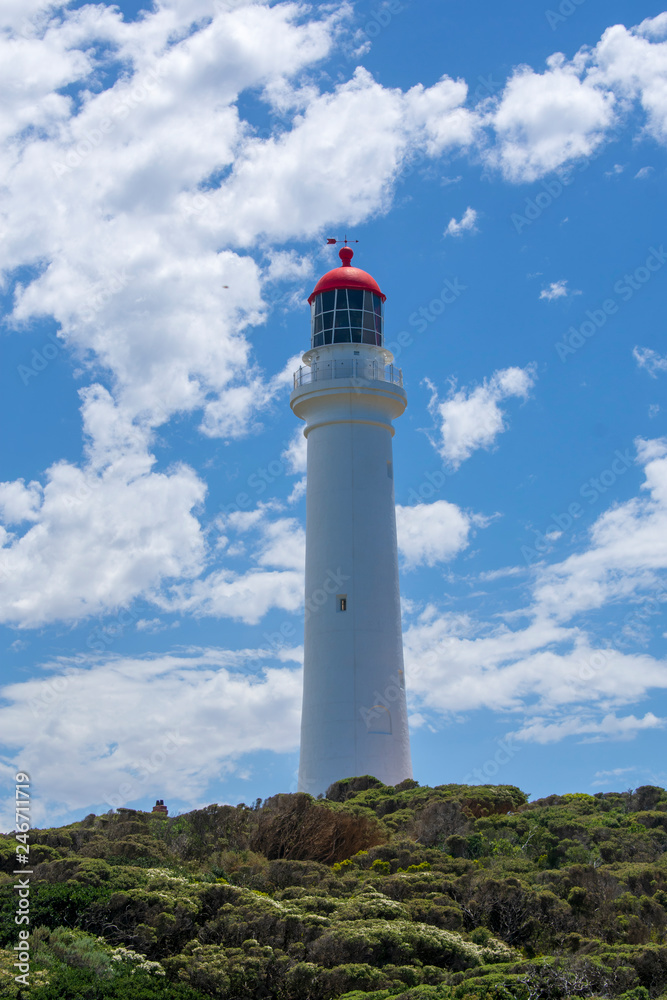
[(296, 828), (439, 820)]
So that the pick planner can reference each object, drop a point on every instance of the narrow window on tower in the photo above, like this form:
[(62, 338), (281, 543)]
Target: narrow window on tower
[(341, 602)]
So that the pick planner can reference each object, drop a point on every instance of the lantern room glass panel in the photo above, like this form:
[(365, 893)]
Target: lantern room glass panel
[(353, 314)]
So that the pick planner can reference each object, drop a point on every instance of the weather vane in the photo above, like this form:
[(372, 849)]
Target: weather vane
[(345, 242)]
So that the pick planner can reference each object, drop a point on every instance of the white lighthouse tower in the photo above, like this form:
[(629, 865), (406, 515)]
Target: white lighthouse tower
[(348, 392)]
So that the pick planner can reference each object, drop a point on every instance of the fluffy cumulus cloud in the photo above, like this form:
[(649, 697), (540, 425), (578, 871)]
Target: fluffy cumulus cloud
[(430, 533), (544, 121), (128, 726), (361, 130), (634, 63), (554, 671), (470, 419), (295, 453), (96, 536), (272, 552)]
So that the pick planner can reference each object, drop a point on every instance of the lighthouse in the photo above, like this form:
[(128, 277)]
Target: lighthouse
[(348, 392)]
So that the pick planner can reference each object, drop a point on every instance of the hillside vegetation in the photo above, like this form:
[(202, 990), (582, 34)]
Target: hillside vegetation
[(374, 892)]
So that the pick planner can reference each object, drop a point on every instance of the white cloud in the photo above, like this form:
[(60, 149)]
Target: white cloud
[(19, 502), (650, 360), (465, 224), (604, 777), (102, 534), (139, 530), (287, 265), (653, 27), (361, 130), (235, 412), (429, 533), (556, 290), (130, 727), (472, 419), (554, 671), (644, 173), (295, 453), (502, 573), (544, 120), (245, 597), (132, 277), (439, 117), (634, 63), (551, 674), (627, 551), (617, 169), (610, 727), (275, 579)]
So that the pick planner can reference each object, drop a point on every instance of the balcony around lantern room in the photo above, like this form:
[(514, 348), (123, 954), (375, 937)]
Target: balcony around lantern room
[(360, 376), (364, 368)]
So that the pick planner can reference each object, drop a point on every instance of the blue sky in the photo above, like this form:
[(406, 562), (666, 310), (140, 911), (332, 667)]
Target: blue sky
[(170, 177)]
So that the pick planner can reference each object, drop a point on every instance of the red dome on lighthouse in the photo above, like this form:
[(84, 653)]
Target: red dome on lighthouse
[(346, 276)]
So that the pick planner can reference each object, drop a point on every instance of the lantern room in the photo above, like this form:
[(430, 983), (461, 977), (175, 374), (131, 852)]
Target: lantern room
[(347, 306)]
